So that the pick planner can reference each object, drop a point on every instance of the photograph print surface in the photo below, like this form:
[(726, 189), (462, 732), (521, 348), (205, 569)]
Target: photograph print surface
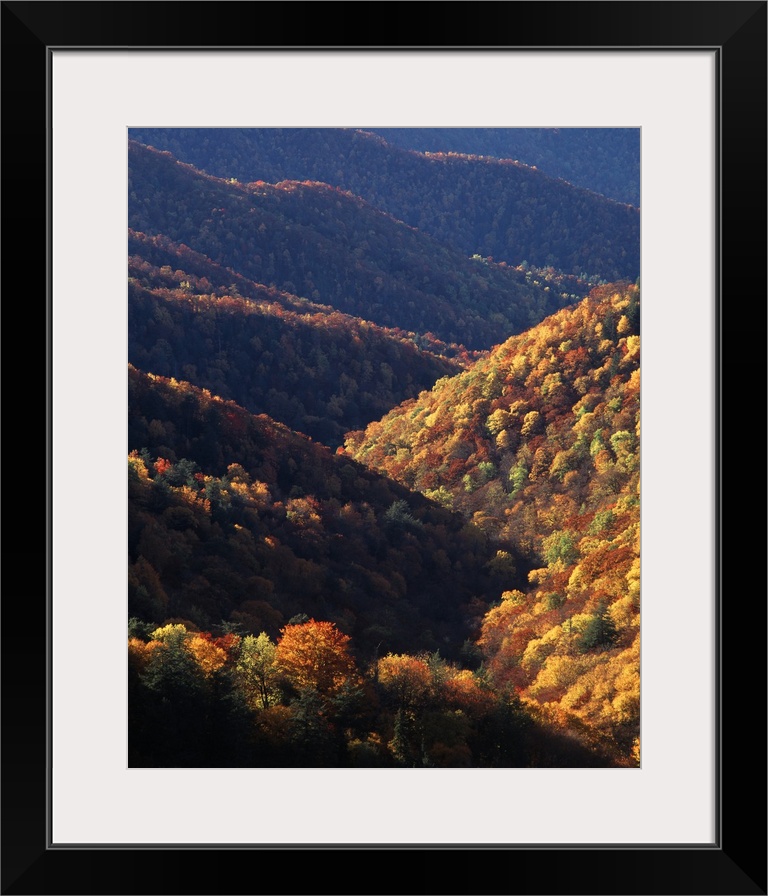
[(384, 447)]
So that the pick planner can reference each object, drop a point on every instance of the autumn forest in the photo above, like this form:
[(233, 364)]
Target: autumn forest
[(384, 448)]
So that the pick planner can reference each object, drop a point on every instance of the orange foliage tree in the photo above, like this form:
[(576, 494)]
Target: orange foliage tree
[(315, 656), (406, 680)]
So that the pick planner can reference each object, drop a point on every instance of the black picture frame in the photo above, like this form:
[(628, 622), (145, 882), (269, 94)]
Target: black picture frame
[(736, 862)]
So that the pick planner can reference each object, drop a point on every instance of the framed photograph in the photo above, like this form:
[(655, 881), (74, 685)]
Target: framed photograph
[(82, 814)]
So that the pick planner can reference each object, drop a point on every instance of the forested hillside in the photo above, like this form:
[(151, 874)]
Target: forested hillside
[(478, 205), (539, 446), (329, 246), (604, 160), (318, 370)]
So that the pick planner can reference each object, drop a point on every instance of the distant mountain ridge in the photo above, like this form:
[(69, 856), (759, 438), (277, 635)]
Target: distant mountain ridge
[(331, 247), (603, 160), (478, 205)]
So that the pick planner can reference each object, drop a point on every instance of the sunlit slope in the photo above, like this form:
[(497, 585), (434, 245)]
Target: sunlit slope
[(538, 444)]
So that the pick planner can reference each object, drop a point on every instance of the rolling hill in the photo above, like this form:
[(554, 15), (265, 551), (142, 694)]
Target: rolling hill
[(474, 204)]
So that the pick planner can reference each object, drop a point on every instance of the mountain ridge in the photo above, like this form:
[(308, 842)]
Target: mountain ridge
[(491, 207)]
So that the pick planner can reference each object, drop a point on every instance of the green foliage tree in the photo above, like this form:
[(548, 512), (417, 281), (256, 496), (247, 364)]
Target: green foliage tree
[(256, 671), (398, 518), (599, 631), (560, 546)]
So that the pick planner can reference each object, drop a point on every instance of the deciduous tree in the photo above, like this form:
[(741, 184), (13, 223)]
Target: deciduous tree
[(316, 656)]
